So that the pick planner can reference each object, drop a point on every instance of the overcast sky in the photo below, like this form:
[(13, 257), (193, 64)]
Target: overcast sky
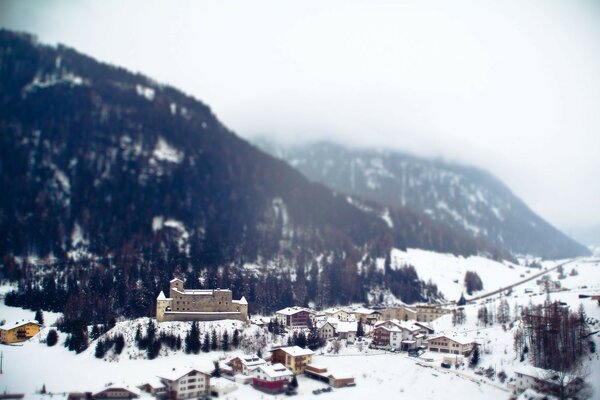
[(509, 86)]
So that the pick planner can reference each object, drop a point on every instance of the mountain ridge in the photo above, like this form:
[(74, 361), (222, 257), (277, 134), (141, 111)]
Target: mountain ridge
[(463, 197)]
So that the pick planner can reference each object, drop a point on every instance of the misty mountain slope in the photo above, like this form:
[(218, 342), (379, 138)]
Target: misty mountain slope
[(464, 198), (94, 154)]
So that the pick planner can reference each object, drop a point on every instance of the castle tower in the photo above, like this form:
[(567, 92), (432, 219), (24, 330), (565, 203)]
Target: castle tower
[(175, 283), (162, 304)]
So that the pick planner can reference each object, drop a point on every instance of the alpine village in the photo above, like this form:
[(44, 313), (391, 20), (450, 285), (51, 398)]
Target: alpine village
[(147, 251)]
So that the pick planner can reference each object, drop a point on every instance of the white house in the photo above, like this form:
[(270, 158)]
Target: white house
[(186, 383), (450, 344), (347, 330)]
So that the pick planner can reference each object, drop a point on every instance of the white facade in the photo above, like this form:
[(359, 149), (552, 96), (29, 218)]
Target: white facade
[(187, 384)]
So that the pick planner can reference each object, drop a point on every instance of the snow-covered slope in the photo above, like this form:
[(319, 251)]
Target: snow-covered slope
[(462, 197)]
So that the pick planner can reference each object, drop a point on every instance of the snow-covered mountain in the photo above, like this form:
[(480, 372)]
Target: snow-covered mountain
[(465, 198)]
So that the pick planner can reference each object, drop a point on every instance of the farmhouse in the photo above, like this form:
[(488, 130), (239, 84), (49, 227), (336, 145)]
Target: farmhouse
[(13, 332), (293, 317), (327, 329), (186, 383), (199, 305), (366, 315), (347, 331), (450, 344), (321, 374), (293, 357), (271, 378)]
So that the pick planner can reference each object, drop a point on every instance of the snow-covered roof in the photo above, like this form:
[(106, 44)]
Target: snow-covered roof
[(363, 310), (175, 280), (457, 339), (133, 390), (240, 301), (540, 373), (334, 310), (153, 381), (295, 351), (275, 370), (179, 372), (251, 361), (161, 296), (293, 310), (205, 292), (16, 324), (346, 327)]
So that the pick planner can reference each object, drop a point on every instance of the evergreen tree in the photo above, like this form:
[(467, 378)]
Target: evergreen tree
[(360, 329), (52, 338), (462, 301), (192, 339), (39, 317), (43, 391), (119, 344), (100, 349), (301, 340), (294, 382), (95, 334), (214, 341), (225, 341), (217, 371), (474, 357), (236, 339), (206, 343)]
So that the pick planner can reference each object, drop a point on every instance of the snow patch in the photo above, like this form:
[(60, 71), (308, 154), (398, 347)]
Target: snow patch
[(146, 92), (165, 152)]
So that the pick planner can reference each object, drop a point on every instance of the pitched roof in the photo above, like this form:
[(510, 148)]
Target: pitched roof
[(292, 310), (457, 339), (178, 372), (347, 327), (16, 324), (275, 370), (295, 351)]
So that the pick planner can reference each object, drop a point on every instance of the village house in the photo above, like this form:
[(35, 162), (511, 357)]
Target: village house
[(199, 305), (402, 335), (155, 387), (293, 357), (220, 387), (117, 392), (246, 364), (544, 380), (430, 312), (327, 328), (271, 378), (294, 317), (401, 313), (321, 374), (13, 332), (450, 344), (338, 313), (186, 383), (347, 331), (366, 315)]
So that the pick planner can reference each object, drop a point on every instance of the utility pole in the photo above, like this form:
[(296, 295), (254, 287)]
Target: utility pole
[(1, 357)]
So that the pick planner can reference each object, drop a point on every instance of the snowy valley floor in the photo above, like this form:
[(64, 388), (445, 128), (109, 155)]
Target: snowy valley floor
[(29, 366)]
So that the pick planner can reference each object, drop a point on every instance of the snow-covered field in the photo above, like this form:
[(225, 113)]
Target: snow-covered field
[(29, 366)]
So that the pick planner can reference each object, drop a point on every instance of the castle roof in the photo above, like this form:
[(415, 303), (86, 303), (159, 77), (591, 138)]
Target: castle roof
[(161, 296), (241, 301), (175, 280)]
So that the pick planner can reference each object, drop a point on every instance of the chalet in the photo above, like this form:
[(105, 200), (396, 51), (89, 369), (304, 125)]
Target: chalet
[(271, 378), (450, 344), (430, 312), (544, 380), (347, 331), (294, 317), (401, 313), (327, 329), (293, 357), (246, 364), (396, 334), (338, 313), (117, 392), (20, 331), (185, 383)]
